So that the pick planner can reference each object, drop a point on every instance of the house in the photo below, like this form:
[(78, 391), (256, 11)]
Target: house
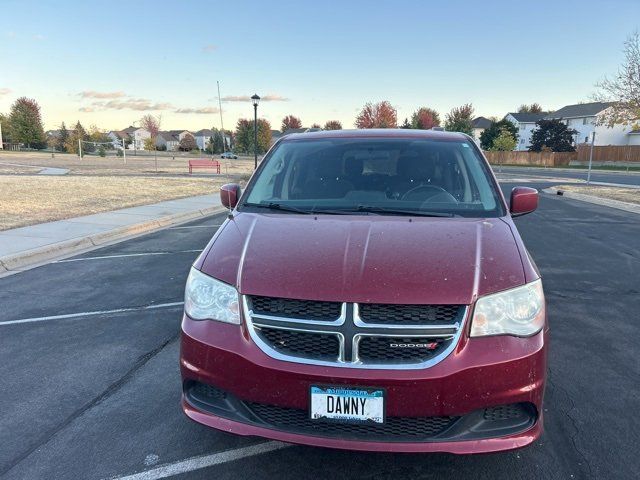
[(479, 125), (526, 124), (275, 136), (167, 140), (202, 137), (137, 135), (583, 118)]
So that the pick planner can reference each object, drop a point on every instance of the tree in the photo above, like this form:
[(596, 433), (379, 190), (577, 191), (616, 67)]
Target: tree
[(79, 133), (406, 125), (554, 135), (152, 125), (533, 108), (425, 118), (215, 143), (378, 115), (624, 88), (61, 140), (149, 144), (25, 123), (333, 125), (97, 135), (5, 128), (315, 125), (490, 134), (187, 143), (290, 122), (459, 119), (504, 142), (244, 136)]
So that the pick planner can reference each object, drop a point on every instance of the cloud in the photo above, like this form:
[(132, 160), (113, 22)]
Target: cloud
[(209, 48), (203, 110), (271, 97), (39, 37), (138, 104), (4, 91), (86, 109), (94, 94)]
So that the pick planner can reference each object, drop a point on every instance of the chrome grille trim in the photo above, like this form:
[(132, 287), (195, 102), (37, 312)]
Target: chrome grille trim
[(358, 330)]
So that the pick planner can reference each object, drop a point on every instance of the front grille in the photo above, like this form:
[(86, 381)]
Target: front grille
[(489, 422), (385, 314), (288, 308), (395, 349), (399, 428), (353, 335), (301, 344)]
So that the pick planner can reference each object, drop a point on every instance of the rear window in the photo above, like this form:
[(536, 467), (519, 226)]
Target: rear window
[(342, 175)]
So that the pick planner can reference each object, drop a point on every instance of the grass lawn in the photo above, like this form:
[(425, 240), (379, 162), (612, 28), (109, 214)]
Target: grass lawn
[(629, 195), (32, 199), (111, 165)]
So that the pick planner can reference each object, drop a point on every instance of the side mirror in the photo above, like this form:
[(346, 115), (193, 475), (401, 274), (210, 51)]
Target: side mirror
[(229, 195), (523, 200)]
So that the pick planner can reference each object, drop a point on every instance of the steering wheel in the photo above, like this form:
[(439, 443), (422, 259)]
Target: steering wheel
[(429, 192)]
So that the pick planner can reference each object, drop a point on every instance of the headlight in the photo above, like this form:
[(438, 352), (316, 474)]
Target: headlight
[(208, 299), (519, 312)]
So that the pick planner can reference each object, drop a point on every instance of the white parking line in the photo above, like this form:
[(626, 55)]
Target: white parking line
[(88, 314), (82, 259), (203, 461)]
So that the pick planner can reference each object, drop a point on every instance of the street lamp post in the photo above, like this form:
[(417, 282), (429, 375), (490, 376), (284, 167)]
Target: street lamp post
[(255, 99)]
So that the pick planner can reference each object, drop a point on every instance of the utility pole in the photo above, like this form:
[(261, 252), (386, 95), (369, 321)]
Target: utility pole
[(124, 150), (1, 144), (80, 147), (593, 140), (224, 140)]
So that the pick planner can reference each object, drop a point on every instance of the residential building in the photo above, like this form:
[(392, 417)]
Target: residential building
[(137, 135), (526, 124), (479, 125), (202, 138), (583, 117), (167, 140)]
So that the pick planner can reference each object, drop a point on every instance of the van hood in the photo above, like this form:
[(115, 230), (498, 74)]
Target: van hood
[(365, 258)]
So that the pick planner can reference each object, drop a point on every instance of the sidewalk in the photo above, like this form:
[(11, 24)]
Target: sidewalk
[(26, 247)]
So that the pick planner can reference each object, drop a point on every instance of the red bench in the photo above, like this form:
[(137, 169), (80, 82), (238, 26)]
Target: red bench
[(204, 163)]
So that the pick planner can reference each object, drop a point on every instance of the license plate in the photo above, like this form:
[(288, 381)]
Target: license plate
[(355, 405)]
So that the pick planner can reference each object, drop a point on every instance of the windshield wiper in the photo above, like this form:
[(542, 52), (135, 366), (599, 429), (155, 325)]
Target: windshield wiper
[(395, 211), (277, 206)]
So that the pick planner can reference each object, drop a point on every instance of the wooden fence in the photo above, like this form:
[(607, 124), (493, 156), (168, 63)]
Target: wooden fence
[(608, 154), (611, 153), (543, 159)]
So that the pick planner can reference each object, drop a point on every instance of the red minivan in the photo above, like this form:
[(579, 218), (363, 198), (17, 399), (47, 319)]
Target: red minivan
[(369, 291)]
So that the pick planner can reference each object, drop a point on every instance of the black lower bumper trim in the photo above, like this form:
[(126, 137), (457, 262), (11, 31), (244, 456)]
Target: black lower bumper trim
[(490, 422)]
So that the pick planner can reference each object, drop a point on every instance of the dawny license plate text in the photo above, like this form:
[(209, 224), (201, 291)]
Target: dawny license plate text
[(355, 405)]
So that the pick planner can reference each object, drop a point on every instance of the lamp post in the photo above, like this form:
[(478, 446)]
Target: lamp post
[(255, 100)]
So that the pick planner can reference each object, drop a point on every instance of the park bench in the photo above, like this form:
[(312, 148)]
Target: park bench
[(204, 163)]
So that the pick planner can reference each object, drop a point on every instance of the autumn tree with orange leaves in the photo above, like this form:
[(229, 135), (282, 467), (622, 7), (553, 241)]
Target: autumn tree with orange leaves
[(377, 115), (290, 121)]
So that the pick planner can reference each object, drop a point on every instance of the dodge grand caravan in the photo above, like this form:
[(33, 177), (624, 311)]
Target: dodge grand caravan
[(369, 291)]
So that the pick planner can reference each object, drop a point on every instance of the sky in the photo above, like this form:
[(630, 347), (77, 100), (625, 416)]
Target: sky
[(110, 62)]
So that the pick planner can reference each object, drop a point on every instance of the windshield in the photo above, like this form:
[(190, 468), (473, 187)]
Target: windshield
[(405, 176)]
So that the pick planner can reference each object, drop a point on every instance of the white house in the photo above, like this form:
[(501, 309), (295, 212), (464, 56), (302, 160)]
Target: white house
[(525, 123), (479, 125), (202, 137), (167, 140), (136, 135), (583, 117)]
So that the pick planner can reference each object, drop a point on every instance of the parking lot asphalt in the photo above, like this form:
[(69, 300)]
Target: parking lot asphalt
[(91, 391), (618, 177)]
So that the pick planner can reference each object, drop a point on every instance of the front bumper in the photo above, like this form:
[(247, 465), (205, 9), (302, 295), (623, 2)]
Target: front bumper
[(481, 373)]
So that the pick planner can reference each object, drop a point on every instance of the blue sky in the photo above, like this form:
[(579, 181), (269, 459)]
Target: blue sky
[(110, 62)]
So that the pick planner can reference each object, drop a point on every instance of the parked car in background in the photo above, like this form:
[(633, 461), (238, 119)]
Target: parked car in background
[(369, 291), (229, 155)]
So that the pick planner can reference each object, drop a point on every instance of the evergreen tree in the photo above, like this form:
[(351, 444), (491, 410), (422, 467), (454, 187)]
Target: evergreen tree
[(63, 136), (553, 135), (26, 123)]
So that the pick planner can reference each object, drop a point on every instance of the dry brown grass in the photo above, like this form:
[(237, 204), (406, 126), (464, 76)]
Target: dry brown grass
[(630, 195), (136, 165), (32, 199)]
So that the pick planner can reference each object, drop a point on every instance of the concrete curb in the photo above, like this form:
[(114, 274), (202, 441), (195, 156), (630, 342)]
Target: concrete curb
[(56, 251), (627, 207)]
